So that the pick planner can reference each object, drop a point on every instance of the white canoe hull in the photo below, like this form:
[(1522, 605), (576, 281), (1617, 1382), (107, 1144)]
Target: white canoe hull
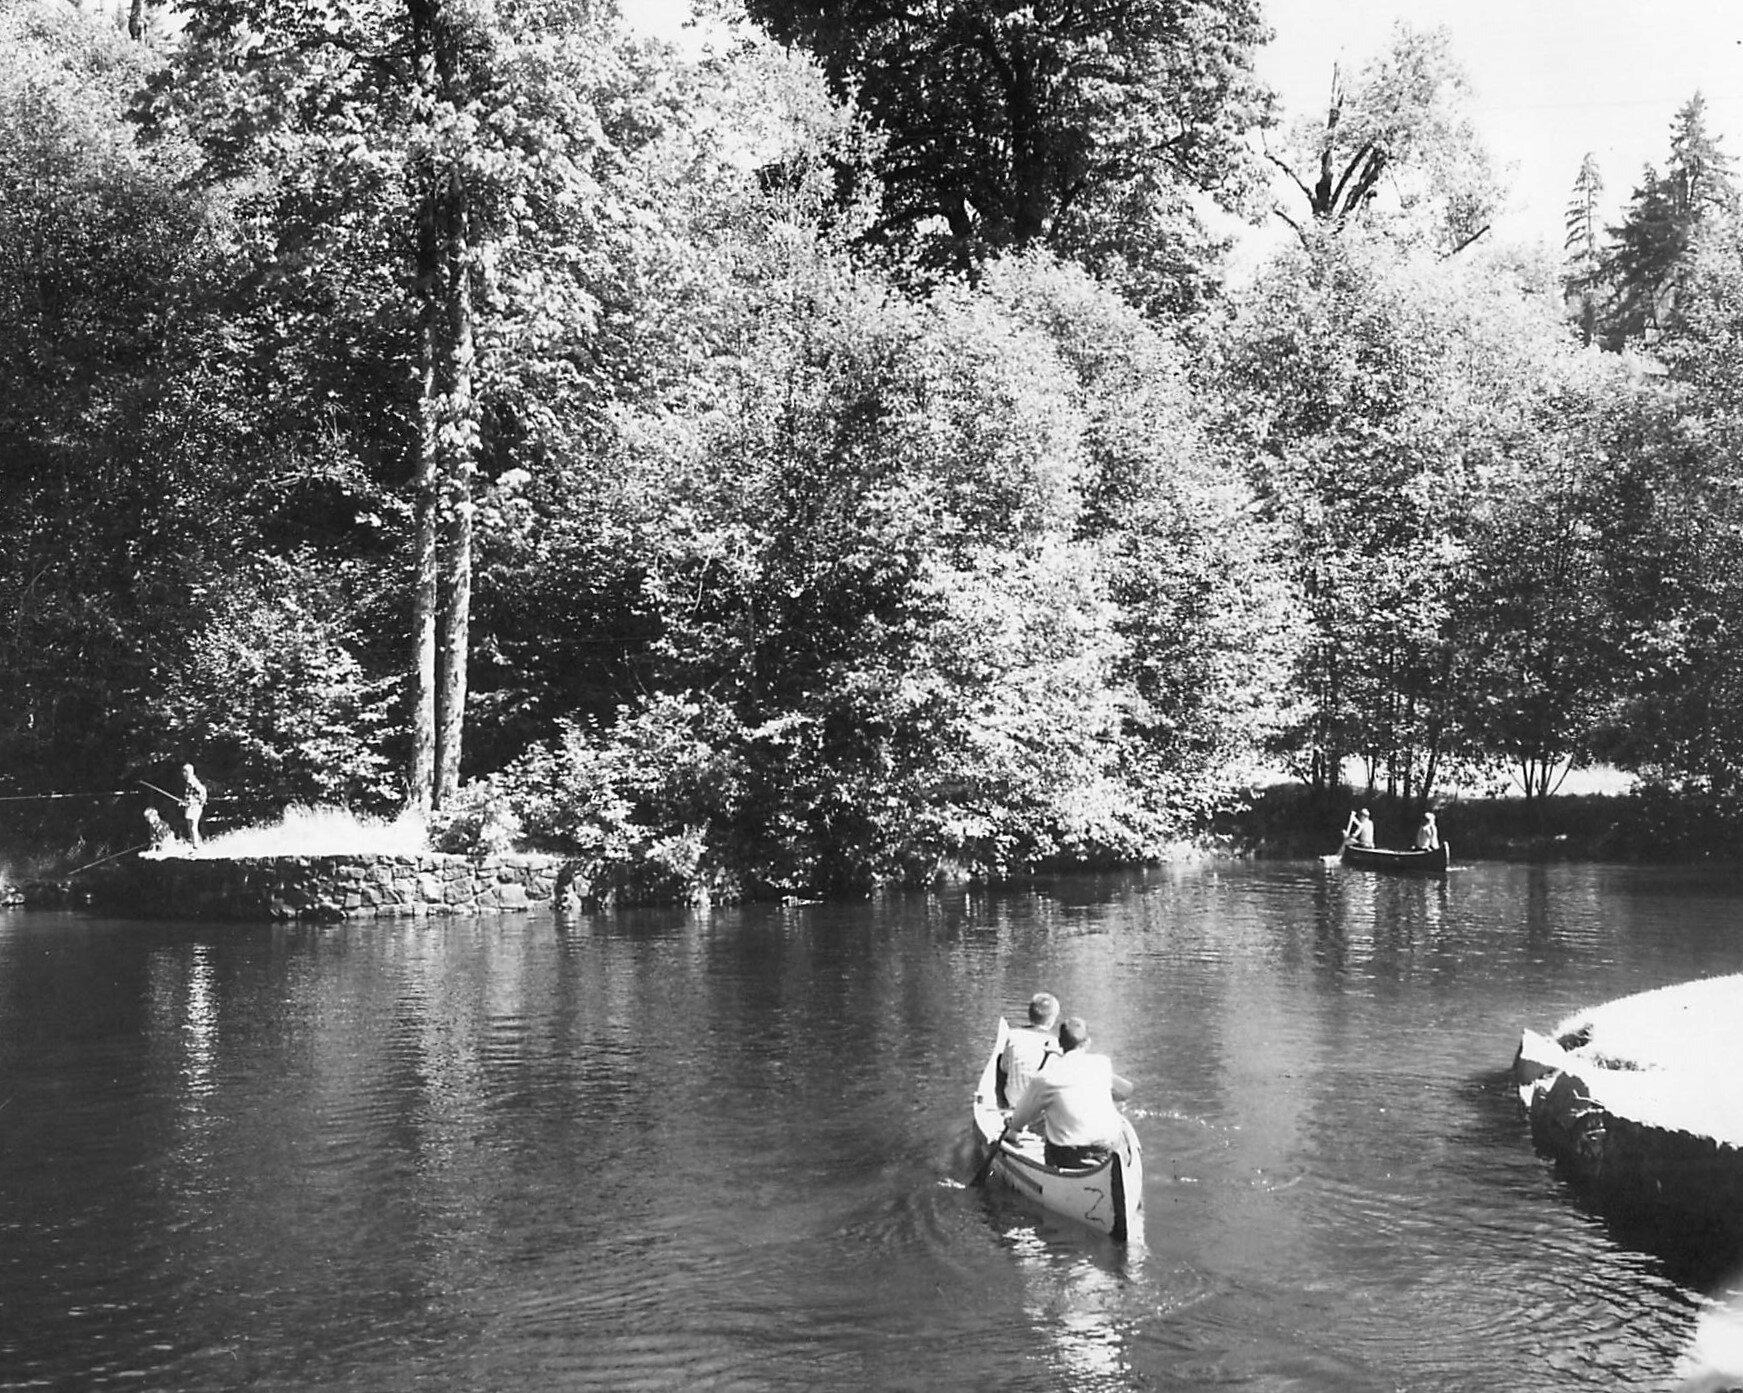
[(1108, 1197)]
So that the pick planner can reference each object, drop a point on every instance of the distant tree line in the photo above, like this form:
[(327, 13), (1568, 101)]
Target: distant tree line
[(845, 456)]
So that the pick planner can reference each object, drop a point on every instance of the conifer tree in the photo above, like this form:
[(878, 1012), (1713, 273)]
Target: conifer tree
[(1700, 173), (1648, 255), (1583, 247)]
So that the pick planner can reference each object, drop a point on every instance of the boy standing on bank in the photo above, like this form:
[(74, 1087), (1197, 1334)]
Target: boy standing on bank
[(193, 802)]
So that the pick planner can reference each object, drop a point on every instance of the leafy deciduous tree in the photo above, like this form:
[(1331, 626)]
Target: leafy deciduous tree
[(1400, 130), (1083, 127), (1536, 609), (1385, 401), (105, 520), (461, 144)]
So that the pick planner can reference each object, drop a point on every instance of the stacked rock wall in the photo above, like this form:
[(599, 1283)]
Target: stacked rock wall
[(334, 887), (1685, 1187)]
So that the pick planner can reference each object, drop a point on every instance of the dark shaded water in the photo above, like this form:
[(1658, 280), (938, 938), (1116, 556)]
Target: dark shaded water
[(660, 1151)]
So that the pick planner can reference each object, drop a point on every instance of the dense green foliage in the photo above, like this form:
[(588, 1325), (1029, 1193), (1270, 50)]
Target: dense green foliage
[(1410, 424), (783, 497), (1080, 125)]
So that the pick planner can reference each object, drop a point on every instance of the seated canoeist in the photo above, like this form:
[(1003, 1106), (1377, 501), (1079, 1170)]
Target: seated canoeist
[(1028, 1047), (1359, 830), (1072, 1102), (1428, 835)]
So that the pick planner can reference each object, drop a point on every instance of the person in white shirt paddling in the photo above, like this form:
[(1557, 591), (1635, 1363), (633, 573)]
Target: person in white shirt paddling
[(1071, 1101)]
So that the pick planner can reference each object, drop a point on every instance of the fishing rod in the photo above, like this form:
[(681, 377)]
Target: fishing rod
[(111, 793), (45, 797), (165, 792), (110, 857)]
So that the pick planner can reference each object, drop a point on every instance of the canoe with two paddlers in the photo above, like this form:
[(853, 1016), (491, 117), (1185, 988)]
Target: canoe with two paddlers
[(1108, 1196), (1434, 861)]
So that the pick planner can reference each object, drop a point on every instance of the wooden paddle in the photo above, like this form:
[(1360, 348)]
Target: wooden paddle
[(986, 1167)]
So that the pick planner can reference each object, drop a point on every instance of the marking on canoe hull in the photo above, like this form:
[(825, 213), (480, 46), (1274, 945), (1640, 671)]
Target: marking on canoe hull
[(1036, 1189)]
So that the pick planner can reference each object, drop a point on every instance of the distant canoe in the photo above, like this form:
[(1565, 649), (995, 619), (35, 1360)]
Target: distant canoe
[(1371, 858)]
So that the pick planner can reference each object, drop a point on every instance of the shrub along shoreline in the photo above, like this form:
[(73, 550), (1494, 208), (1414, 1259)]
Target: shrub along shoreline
[(1649, 826)]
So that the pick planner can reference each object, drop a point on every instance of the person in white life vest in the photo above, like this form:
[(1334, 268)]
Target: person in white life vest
[(1028, 1047)]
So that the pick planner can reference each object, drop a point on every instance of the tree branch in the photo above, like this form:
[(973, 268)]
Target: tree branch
[(1372, 161), (1294, 178), (1448, 256)]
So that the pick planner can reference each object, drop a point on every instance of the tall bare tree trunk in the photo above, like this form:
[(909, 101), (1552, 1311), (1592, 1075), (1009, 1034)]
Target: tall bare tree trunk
[(461, 469), (421, 776), (449, 437)]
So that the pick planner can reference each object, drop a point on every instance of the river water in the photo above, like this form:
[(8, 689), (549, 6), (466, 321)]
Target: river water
[(660, 1150)]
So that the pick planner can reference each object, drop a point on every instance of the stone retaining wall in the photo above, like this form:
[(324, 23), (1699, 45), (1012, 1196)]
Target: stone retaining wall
[(1688, 1188), (333, 887)]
